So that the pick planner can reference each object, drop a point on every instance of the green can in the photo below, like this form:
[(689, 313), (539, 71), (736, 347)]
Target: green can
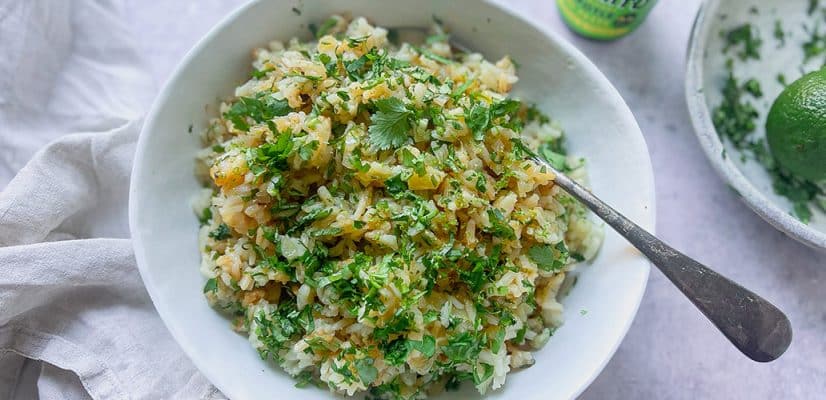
[(604, 19)]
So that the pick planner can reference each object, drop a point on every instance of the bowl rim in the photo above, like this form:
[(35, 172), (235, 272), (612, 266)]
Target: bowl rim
[(139, 169), (700, 115)]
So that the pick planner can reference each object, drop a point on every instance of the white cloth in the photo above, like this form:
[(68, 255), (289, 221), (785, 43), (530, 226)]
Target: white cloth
[(74, 315)]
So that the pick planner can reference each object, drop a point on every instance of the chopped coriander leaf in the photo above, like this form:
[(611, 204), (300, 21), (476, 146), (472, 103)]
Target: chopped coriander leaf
[(437, 38), (206, 216), (326, 232), (307, 77), (779, 34), (487, 373), (549, 258), (367, 372), (799, 192), (558, 161), (395, 352), (400, 323), (498, 227), (481, 183), (735, 117), (304, 379), (499, 340), (746, 35), (411, 161), (344, 371), (396, 185), (506, 107), (260, 109), (534, 114), (463, 347), (461, 89), (222, 232), (391, 124), (753, 87), (435, 57), (816, 44), (269, 156), (426, 346), (478, 120), (356, 41), (306, 151), (325, 27), (211, 285), (262, 73)]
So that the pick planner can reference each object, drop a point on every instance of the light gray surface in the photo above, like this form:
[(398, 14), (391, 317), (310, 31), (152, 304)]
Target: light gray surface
[(671, 351)]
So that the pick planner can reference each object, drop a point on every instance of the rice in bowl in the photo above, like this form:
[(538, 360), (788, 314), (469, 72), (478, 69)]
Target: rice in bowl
[(371, 221)]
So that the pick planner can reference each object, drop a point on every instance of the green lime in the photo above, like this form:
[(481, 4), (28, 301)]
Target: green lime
[(796, 127)]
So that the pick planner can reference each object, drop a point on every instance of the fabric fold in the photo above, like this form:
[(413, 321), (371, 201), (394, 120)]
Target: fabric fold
[(74, 314)]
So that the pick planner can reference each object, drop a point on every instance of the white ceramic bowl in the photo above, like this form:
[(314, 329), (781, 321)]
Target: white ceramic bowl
[(553, 74), (705, 78)]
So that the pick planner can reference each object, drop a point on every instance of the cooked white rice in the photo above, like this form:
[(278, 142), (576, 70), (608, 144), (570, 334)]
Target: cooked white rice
[(371, 221)]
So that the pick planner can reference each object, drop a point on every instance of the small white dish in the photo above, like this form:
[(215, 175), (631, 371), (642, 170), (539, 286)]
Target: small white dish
[(705, 78), (599, 309)]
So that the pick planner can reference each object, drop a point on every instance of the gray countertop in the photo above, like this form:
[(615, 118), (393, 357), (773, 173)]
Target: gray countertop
[(671, 351)]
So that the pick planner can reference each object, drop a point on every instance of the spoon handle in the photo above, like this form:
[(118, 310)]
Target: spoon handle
[(756, 327)]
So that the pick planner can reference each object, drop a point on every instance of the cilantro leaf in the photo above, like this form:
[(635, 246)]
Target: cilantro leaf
[(221, 232), (325, 27), (748, 36), (498, 226), (395, 185), (395, 352), (734, 117), (326, 232), (259, 109), (367, 372), (426, 346), (401, 322), (391, 124), (478, 120), (535, 114), (487, 372), (260, 73), (549, 258), (205, 216), (270, 156), (304, 379), (211, 285), (463, 347), (306, 151), (558, 161)]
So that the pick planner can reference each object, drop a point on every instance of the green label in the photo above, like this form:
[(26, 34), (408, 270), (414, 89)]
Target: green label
[(604, 19)]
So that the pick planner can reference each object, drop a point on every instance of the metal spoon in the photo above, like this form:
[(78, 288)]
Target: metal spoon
[(756, 327)]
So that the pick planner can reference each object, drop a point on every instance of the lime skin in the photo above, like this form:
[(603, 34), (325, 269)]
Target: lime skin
[(796, 127)]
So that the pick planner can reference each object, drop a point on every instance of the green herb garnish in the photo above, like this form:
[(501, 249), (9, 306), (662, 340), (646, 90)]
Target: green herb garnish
[(549, 258), (391, 124), (746, 35), (221, 232)]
